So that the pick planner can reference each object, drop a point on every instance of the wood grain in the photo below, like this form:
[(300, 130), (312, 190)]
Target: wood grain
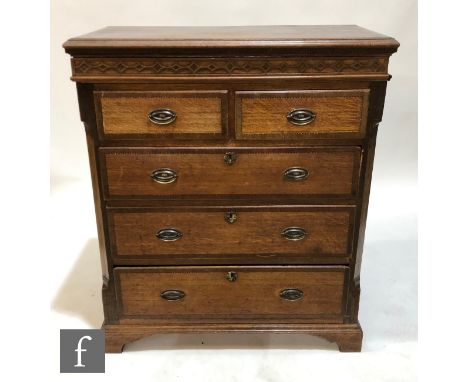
[(256, 231), (262, 115), (333, 171), (255, 293), (199, 113)]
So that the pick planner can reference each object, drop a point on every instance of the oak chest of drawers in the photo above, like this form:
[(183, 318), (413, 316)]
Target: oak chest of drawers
[(231, 172)]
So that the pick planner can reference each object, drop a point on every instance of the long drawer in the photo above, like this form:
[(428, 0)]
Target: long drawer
[(318, 234), (165, 173), (233, 293)]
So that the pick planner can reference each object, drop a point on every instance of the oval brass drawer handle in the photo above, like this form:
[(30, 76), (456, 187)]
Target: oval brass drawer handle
[(164, 175), (172, 294), (301, 116), (296, 173), (162, 116), (291, 294), (294, 233), (169, 234)]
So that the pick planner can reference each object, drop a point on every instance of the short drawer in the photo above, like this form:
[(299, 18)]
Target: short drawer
[(169, 114), (301, 114), (233, 293), (232, 234), (160, 173)]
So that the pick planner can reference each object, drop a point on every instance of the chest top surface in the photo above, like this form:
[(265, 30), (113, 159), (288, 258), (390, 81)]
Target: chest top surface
[(265, 36)]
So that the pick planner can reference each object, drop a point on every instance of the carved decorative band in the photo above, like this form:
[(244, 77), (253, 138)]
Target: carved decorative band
[(228, 66)]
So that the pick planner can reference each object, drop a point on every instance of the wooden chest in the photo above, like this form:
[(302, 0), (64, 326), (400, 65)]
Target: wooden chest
[(231, 172)]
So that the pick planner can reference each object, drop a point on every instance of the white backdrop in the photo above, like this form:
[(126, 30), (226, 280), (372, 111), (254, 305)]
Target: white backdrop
[(388, 310)]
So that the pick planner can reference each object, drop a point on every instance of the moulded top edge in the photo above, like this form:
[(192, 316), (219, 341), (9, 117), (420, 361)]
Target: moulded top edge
[(270, 37)]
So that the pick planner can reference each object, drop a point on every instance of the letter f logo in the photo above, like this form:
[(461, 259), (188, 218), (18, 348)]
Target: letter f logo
[(79, 350)]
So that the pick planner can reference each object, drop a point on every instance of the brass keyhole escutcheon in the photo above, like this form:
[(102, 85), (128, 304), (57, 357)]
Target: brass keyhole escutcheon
[(230, 217), (230, 158), (231, 276)]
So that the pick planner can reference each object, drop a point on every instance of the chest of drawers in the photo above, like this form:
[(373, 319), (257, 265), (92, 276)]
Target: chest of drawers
[(231, 172)]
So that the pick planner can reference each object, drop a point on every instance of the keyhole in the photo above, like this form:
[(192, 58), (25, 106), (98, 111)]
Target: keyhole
[(230, 217), (231, 276)]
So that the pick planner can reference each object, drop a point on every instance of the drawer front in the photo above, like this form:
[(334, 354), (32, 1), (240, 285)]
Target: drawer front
[(232, 292), (170, 114), (301, 114), (233, 233), (157, 173)]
